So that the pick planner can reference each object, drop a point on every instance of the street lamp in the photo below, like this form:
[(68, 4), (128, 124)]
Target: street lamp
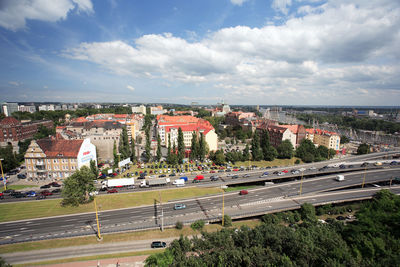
[(162, 213), (97, 217), (301, 183), (2, 175)]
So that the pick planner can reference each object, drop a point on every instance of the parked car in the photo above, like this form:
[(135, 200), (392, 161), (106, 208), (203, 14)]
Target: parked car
[(158, 244), (179, 206), (243, 192), (21, 176), (235, 176), (31, 194), (54, 184), (8, 192), (46, 193), (113, 190), (18, 194), (45, 186), (214, 178), (1, 196), (246, 175), (55, 191)]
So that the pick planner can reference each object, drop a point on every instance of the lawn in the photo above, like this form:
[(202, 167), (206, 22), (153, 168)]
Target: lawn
[(237, 188), (45, 208)]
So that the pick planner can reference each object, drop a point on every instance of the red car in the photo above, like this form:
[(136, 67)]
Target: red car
[(46, 193), (212, 171), (285, 171), (1, 195), (243, 192), (235, 170), (110, 191)]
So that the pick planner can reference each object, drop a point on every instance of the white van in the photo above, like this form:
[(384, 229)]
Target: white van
[(179, 182), (339, 178)]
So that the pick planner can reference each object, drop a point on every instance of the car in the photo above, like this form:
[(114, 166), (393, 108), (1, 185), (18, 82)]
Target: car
[(246, 175), (350, 166), (1, 196), (46, 193), (45, 186), (18, 194), (8, 192), (378, 163), (295, 171), (212, 171), (285, 171), (54, 184), (38, 197), (162, 175), (31, 194), (130, 187), (235, 176), (276, 172), (342, 166), (12, 172), (21, 176), (243, 192), (393, 163), (158, 244), (179, 206), (196, 181), (228, 170), (281, 173), (113, 190), (365, 164), (214, 178), (55, 191), (312, 168)]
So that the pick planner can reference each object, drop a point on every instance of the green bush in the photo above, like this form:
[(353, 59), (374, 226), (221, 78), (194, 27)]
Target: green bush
[(227, 221), (297, 161), (179, 225), (197, 225)]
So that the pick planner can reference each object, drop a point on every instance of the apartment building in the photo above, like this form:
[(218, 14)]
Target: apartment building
[(277, 134), (57, 158), (324, 138), (168, 127), (298, 130)]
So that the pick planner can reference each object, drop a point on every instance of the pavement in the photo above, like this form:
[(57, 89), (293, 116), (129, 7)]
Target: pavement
[(136, 261)]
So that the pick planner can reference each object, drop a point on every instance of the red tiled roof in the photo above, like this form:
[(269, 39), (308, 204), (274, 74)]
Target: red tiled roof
[(9, 121), (275, 128), (293, 128), (60, 147)]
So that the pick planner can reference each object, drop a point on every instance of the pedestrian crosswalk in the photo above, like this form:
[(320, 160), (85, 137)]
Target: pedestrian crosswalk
[(274, 199)]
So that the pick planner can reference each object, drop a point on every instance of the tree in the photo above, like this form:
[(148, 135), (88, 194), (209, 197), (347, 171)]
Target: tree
[(93, 168), (271, 153), (202, 148), (147, 147), (194, 149), (264, 141), (307, 212), (219, 157), (115, 154), (179, 225), (77, 187), (323, 152), (181, 146), (158, 155), (363, 149), (344, 139), (197, 225), (246, 153), (169, 153), (331, 153), (227, 221), (285, 150), (124, 144), (256, 151), (9, 161), (306, 151), (133, 150)]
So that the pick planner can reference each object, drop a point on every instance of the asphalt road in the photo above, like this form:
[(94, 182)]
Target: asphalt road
[(109, 248), (209, 208)]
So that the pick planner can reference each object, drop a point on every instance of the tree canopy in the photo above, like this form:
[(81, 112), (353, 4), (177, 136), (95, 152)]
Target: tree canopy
[(77, 187)]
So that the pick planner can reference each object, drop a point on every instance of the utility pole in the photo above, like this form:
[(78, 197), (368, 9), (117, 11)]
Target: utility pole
[(301, 183), (390, 184), (162, 213), (223, 203), (2, 175), (365, 172), (97, 220)]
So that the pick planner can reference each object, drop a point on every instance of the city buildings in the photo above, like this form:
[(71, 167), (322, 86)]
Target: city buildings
[(12, 131), (324, 138), (298, 130), (277, 134), (139, 109), (27, 108), (9, 108), (168, 127), (57, 158), (157, 110)]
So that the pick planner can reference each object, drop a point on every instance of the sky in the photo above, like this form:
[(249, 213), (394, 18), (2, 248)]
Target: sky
[(242, 52)]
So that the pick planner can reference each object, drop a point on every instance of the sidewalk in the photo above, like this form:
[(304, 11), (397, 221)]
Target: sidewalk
[(136, 261)]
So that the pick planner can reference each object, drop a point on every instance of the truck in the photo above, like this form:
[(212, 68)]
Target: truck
[(184, 178), (121, 182), (339, 178), (179, 182), (154, 182), (199, 177)]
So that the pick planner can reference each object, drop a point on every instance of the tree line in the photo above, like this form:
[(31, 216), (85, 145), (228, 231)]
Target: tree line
[(373, 239)]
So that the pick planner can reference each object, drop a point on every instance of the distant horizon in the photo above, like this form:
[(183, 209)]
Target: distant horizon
[(308, 52)]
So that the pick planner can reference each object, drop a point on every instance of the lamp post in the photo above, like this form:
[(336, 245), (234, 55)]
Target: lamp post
[(2, 175), (162, 212), (365, 172)]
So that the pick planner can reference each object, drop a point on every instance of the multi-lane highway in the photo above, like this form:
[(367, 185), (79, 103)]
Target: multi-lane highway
[(208, 208)]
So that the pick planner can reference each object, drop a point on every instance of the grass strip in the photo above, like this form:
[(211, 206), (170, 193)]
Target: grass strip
[(237, 188), (47, 208), (15, 187)]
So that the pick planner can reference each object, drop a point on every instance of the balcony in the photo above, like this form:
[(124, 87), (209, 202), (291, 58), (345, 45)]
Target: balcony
[(39, 163)]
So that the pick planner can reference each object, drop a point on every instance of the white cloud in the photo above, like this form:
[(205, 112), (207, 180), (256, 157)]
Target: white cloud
[(238, 2), (15, 83), (281, 5), (14, 14), (130, 87), (328, 52)]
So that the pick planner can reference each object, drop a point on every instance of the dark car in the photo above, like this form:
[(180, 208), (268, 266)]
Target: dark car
[(162, 175), (393, 163), (8, 192), (45, 186), (38, 197), (21, 176), (340, 218), (18, 194), (54, 184), (214, 178), (55, 191), (365, 164), (342, 166), (235, 176), (158, 244)]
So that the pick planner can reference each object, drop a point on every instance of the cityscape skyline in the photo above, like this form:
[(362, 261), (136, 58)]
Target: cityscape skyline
[(281, 52)]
